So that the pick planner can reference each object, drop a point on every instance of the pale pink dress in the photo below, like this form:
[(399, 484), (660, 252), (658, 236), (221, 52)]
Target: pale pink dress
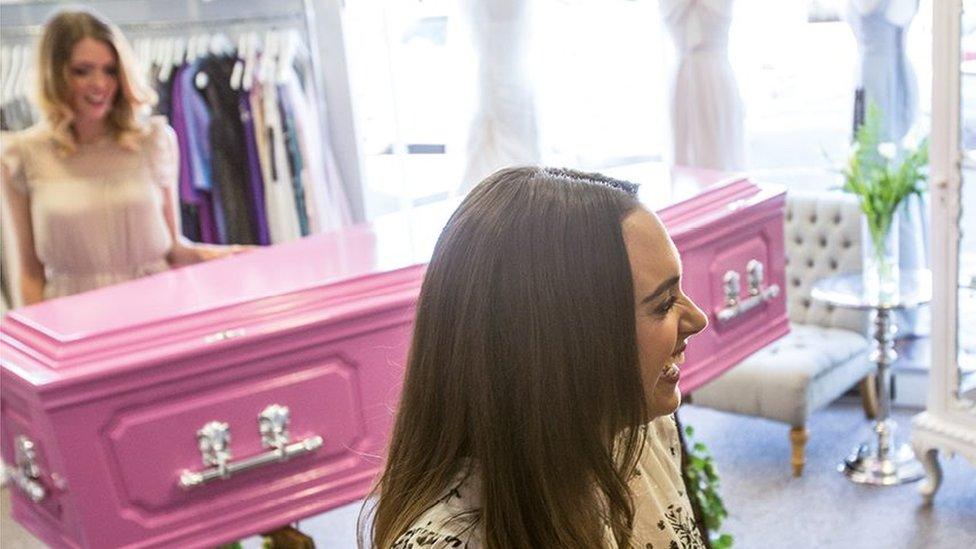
[(97, 213)]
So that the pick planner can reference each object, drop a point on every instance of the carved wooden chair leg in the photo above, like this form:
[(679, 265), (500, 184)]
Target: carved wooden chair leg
[(798, 442), (869, 396)]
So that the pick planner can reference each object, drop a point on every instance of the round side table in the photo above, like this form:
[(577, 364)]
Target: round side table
[(881, 462)]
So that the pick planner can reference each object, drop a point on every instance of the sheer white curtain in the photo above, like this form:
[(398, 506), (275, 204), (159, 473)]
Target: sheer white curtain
[(886, 76), (503, 131), (706, 109)]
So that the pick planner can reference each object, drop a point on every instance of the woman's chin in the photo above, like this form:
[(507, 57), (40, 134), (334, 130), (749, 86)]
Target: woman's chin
[(89, 114), (97, 116), (666, 404)]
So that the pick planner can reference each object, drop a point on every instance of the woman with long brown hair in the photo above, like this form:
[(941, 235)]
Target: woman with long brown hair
[(91, 190), (542, 378)]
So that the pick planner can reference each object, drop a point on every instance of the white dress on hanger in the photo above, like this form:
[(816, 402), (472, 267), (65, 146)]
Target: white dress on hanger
[(706, 109), (279, 195), (326, 202), (504, 130)]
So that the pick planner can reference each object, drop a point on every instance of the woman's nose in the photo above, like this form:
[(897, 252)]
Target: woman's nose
[(99, 79), (695, 320)]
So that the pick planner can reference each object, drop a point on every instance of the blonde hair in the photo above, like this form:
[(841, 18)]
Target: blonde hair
[(127, 118)]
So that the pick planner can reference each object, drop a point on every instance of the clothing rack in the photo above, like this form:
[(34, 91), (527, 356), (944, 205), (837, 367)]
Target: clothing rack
[(143, 20), (132, 30), (319, 26), (26, 19), (23, 21)]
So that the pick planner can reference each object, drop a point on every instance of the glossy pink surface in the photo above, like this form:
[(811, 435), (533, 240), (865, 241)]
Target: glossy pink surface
[(742, 223), (113, 384)]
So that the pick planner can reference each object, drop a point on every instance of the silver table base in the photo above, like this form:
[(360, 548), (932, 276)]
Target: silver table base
[(880, 462), (883, 463), (865, 467)]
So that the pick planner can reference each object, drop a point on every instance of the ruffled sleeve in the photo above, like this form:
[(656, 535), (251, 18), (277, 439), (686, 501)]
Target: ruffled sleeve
[(12, 161), (163, 153)]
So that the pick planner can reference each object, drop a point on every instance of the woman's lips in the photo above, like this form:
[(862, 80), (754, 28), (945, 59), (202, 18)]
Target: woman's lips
[(679, 357), (671, 372)]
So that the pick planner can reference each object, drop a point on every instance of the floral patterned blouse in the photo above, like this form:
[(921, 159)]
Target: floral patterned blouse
[(663, 517)]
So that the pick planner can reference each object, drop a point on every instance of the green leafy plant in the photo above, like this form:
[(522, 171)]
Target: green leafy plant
[(881, 176), (703, 485)]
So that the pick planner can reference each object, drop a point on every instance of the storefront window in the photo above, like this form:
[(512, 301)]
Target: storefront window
[(597, 69), (600, 74), (797, 64)]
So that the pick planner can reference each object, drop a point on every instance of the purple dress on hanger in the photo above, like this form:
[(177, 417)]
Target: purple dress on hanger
[(188, 192), (196, 116), (198, 123)]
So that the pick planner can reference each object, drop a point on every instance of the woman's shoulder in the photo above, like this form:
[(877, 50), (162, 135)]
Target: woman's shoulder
[(162, 152), (662, 443), (157, 131), (453, 521), (160, 144), (18, 152), (28, 138)]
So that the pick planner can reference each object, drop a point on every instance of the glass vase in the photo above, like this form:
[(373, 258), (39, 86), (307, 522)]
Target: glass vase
[(879, 252)]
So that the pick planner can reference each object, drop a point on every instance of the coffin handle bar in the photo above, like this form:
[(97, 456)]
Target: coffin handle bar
[(214, 442), (734, 306), (192, 479)]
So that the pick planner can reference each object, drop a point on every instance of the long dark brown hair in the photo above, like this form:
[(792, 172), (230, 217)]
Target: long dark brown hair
[(524, 361)]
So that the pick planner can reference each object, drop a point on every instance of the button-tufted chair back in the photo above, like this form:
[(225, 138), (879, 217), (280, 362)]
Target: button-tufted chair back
[(823, 238)]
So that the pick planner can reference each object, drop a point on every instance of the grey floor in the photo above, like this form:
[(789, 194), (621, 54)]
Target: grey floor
[(768, 507)]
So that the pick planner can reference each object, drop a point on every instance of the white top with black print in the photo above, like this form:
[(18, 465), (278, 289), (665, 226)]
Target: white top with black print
[(663, 518)]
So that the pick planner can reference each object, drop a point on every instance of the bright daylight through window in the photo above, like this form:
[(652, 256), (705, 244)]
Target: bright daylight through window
[(599, 74)]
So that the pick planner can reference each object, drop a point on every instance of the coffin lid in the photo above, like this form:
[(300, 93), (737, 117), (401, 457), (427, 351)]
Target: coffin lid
[(386, 257), (339, 274)]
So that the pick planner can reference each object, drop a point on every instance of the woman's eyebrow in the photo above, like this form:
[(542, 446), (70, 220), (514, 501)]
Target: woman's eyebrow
[(663, 287)]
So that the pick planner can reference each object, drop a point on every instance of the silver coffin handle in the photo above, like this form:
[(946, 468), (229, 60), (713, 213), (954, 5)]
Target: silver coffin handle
[(756, 273), (758, 295), (215, 436), (731, 286), (26, 474)]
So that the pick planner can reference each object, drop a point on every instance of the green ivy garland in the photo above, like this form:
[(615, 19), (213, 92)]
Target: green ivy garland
[(703, 484)]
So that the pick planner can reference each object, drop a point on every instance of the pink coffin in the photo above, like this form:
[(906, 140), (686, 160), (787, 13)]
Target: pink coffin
[(111, 386)]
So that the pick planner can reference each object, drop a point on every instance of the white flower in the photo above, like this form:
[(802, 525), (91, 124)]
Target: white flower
[(911, 141), (888, 150)]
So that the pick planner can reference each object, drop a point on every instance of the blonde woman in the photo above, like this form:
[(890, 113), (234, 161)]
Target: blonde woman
[(91, 191), (543, 374)]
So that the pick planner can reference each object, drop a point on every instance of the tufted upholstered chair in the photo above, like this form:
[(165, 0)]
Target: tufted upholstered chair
[(825, 353)]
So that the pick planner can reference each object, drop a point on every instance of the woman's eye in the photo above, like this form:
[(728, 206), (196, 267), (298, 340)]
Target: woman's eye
[(666, 307), (79, 71), (112, 71)]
